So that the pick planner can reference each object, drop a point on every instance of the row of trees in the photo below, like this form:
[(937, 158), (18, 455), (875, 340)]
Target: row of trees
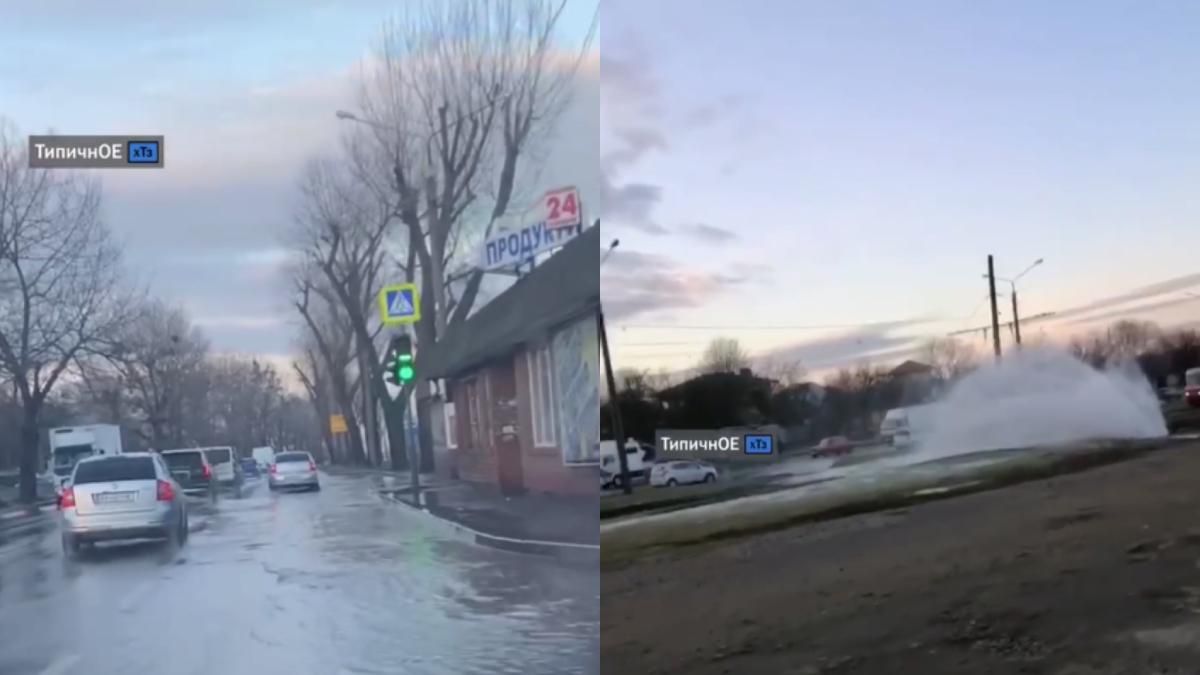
[(453, 117), (80, 343), (730, 389)]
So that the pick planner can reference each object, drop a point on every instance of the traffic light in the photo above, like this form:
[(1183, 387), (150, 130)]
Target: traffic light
[(400, 368)]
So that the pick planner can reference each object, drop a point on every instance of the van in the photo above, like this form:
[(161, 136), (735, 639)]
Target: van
[(637, 461), (264, 456), (894, 427), (226, 467)]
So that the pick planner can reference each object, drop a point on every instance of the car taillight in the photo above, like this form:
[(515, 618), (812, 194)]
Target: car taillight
[(207, 471), (166, 493), (67, 499), (274, 468), (312, 466)]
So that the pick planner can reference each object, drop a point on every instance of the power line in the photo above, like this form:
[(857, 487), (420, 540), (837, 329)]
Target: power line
[(744, 327)]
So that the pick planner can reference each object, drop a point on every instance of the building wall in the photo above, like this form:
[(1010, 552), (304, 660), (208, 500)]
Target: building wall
[(577, 411), (474, 461), (575, 385)]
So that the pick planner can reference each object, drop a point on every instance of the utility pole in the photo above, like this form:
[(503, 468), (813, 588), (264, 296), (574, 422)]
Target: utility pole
[(1016, 317), (614, 404), (995, 310)]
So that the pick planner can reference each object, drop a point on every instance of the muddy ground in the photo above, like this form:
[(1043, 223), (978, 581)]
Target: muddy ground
[(1086, 574)]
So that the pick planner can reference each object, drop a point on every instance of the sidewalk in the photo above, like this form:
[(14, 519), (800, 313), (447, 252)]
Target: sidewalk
[(531, 523), (17, 521)]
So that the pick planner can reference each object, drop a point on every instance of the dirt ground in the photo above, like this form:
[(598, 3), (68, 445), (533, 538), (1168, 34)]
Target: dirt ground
[(1085, 574)]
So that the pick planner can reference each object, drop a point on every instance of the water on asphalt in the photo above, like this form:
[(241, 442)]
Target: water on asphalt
[(337, 581)]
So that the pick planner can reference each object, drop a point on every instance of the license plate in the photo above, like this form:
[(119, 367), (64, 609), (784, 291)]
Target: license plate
[(114, 497)]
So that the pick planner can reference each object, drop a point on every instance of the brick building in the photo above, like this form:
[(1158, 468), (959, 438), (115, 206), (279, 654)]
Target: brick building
[(522, 380)]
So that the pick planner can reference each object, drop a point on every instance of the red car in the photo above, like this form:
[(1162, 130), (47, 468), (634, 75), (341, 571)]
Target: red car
[(832, 446), (1191, 387)]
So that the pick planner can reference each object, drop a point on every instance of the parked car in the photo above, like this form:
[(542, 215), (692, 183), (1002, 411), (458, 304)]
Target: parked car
[(682, 472), (119, 497), (191, 469), (293, 470), (833, 446), (226, 467), (250, 468)]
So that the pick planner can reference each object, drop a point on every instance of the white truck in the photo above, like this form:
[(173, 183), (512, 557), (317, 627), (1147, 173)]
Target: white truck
[(905, 427), (68, 445), (264, 456), (636, 458)]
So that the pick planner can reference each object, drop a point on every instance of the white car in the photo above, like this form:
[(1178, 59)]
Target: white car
[(682, 472)]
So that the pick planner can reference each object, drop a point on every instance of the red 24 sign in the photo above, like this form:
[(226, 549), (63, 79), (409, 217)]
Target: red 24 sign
[(562, 208)]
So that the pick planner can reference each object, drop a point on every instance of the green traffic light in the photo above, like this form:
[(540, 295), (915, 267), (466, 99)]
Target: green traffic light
[(405, 373)]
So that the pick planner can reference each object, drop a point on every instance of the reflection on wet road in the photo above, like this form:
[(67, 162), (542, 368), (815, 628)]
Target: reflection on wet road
[(336, 581)]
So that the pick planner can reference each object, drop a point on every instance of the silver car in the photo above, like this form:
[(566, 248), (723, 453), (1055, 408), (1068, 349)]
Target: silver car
[(293, 470), (127, 496)]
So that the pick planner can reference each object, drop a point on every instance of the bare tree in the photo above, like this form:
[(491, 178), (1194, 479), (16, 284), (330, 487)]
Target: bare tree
[(314, 377), (59, 278), (155, 356), (463, 92), (724, 355), (949, 358), (332, 339), (787, 372), (1129, 339)]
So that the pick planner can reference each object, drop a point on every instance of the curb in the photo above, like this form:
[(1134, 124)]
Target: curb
[(553, 549), (24, 527)]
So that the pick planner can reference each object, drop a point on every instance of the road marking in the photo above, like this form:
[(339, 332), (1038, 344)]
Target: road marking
[(60, 665)]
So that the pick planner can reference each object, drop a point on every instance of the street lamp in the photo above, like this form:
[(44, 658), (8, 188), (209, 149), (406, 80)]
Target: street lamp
[(611, 247), (1012, 283), (614, 404)]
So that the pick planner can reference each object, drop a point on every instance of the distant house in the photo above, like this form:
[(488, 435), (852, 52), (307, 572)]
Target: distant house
[(523, 379), (917, 381)]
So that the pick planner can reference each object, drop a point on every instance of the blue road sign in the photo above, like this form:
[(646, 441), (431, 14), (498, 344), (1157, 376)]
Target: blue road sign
[(399, 304), (758, 444)]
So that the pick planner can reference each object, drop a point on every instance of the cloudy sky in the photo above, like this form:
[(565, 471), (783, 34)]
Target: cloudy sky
[(827, 179), (245, 93)]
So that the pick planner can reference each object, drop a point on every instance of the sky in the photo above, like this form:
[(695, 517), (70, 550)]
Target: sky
[(245, 94), (824, 181)]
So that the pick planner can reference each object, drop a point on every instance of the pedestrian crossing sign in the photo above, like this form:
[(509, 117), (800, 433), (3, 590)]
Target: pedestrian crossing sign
[(399, 304)]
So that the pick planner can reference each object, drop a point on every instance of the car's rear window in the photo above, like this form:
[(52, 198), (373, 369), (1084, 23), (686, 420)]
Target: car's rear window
[(219, 456), (291, 457), (112, 469), (184, 460)]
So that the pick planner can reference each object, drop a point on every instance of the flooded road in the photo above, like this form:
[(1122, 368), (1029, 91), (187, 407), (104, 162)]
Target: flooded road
[(336, 581)]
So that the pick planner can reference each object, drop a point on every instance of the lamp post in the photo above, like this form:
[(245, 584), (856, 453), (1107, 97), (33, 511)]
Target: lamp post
[(1012, 284), (613, 403)]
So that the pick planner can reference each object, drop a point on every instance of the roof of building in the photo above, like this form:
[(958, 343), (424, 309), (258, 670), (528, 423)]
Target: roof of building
[(911, 368), (563, 288)]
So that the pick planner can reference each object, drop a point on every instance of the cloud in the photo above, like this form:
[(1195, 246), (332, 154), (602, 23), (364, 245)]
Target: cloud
[(881, 342), (1173, 285), (632, 205), (708, 114), (709, 233), (634, 283)]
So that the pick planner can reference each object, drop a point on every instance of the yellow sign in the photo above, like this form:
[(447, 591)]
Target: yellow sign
[(337, 424), (399, 304)]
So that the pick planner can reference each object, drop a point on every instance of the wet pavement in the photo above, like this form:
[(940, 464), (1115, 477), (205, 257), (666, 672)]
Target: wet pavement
[(336, 581)]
